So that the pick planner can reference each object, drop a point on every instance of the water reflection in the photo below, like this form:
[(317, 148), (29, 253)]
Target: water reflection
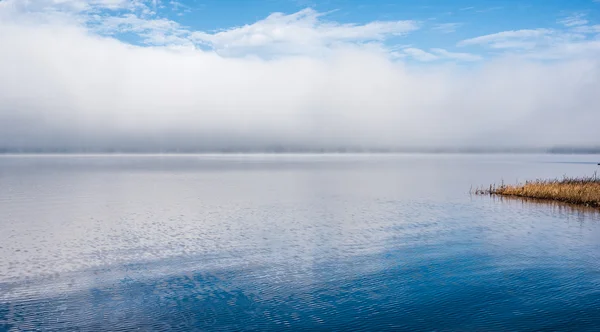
[(563, 210), (310, 243), (444, 293)]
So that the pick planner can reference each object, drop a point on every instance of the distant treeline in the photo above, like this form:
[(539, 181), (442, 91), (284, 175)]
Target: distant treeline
[(300, 149), (575, 150)]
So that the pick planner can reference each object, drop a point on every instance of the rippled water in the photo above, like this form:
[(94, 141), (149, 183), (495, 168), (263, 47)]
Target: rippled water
[(304, 242)]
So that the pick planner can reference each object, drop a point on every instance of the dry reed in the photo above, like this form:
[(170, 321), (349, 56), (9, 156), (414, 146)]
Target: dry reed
[(582, 191)]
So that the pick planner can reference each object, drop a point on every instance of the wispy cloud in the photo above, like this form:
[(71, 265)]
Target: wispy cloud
[(489, 9), (574, 20), (446, 27), (420, 55), (527, 39), (438, 54), (301, 32), (78, 6), (587, 29), (456, 55), (509, 39), (179, 7), (154, 31), (541, 43)]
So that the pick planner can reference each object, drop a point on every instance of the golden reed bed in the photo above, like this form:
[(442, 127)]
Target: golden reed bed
[(582, 191)]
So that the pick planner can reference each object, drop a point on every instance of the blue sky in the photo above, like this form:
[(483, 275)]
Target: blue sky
[(478, 17), (438, 23), (425, 31)]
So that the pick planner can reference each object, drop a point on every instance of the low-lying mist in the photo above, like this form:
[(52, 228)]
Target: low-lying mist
[(65, 88)]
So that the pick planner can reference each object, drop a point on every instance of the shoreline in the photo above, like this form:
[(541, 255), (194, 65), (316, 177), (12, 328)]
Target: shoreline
[(583, 191)]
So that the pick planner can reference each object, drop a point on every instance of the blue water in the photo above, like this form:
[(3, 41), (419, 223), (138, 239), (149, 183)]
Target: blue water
[(296, 242)]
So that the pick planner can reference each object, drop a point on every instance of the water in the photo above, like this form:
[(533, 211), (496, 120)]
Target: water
[(302, 242)]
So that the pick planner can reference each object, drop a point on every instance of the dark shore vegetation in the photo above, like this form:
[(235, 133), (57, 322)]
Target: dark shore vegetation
[(581, 191)]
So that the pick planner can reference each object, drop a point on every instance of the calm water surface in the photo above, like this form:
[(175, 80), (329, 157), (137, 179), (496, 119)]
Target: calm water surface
[(302, 242)]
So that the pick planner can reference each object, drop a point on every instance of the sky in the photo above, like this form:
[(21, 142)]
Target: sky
[(214, 75)]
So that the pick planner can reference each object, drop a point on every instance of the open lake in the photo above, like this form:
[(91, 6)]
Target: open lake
[(302, 242)]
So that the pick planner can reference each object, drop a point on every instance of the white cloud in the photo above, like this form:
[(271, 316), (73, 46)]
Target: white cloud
[(303, 32), (74, 6), (64, 85), (588, 29), (436, 54), (574, 20), (567, 50), (298, 33), (446, 27), (506, 39), (107, 16), (540, 43), (456, 55), (153, 31), (420, 55)]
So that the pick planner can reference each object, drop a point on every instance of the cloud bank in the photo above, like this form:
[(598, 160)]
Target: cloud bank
[(68, 83)]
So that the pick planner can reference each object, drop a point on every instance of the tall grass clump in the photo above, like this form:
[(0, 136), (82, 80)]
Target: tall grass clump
[(574, 190)]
